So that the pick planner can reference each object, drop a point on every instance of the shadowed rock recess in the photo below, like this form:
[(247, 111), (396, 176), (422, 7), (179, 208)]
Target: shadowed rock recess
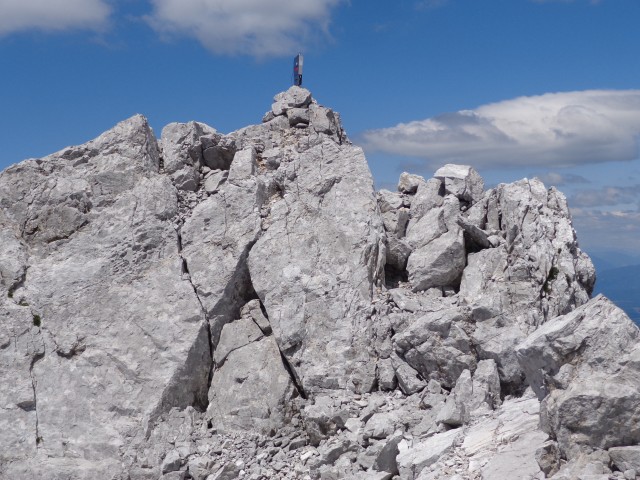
[(211, 306)]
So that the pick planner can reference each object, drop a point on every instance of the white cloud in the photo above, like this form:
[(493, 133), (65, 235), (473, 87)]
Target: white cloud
[(606, 196), (555, 129), (597, 228), (52, 15), (255, 27)]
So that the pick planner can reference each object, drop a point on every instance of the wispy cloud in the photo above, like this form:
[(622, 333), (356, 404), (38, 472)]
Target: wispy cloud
[(559, 179), (606, 196), (555, 129), (49, 15), (247, 27), (597, 228)]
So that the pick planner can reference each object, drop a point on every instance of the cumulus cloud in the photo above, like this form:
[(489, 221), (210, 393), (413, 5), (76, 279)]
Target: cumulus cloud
[(555, 129), (254, 27), (49, 15)]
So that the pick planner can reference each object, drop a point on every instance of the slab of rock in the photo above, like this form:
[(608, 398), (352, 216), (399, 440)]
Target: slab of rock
[(423, 454), (584, 359), (437, 346), (626, 458), (503, 446), (440, 263), (250, 390), (318, 284), (177, 142), (462, 181)]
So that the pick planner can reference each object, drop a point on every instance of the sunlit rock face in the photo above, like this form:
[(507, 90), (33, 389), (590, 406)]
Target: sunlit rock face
[(246, 305)]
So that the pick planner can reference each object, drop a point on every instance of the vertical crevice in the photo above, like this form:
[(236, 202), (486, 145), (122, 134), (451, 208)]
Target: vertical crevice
[(186, 276), (34, 384), (285, 362)]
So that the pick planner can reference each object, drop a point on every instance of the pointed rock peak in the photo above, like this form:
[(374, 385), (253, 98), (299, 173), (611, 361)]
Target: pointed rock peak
[(295, 97)]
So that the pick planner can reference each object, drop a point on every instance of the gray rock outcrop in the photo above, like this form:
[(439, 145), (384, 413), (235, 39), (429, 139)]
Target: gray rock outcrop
[(246, 305)]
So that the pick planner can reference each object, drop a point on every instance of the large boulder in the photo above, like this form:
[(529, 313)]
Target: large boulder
[(318, 284), (584, 366)]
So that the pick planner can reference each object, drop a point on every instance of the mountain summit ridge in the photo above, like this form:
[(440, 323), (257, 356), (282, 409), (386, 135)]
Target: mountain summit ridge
[(246, 305)]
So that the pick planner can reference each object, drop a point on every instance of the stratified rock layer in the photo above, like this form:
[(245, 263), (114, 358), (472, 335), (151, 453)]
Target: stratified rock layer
[(214, 306)]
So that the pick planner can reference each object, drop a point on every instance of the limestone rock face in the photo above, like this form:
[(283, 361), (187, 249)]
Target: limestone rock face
[(586, 373), (245, 305), (108, 334)]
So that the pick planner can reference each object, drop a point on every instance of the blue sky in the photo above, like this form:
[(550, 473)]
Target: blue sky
[(513, 87)]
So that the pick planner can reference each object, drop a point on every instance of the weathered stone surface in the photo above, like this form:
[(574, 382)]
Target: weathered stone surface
[(176, 142), (437, 346), (250, 386), (214, 181), (412, 461), (626, 458), (323, 120), (462, 181), (457, 409), (295, 97), (215, 306), (503, 446), (486, 386), (319, 283), (409, 183), (440, 263), (119, 327), (298, 116), (586, 372), (536, 274)]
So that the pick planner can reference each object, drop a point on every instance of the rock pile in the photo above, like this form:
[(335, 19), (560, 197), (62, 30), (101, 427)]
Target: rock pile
[(213, 306)]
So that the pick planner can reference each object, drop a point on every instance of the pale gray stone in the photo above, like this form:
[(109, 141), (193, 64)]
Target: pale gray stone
[(429, 195), (457, 409), (486, 386), (548, 458), (599, 342), (214, 181), (414, 460), (177, 140), (462, 181), (408, 378), (386, 374), (250, 386), (243, 166), (323, 120), (295, 97), (503, 446), (386, 459), (381, 425), (298, 116), (626, 458), (318, 284), (409, 183), (217, 152), (171, 462), (437, 346), (439, 263), (96, 224)]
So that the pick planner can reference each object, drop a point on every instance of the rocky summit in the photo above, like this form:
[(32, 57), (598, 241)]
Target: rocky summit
[(246, 305)]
